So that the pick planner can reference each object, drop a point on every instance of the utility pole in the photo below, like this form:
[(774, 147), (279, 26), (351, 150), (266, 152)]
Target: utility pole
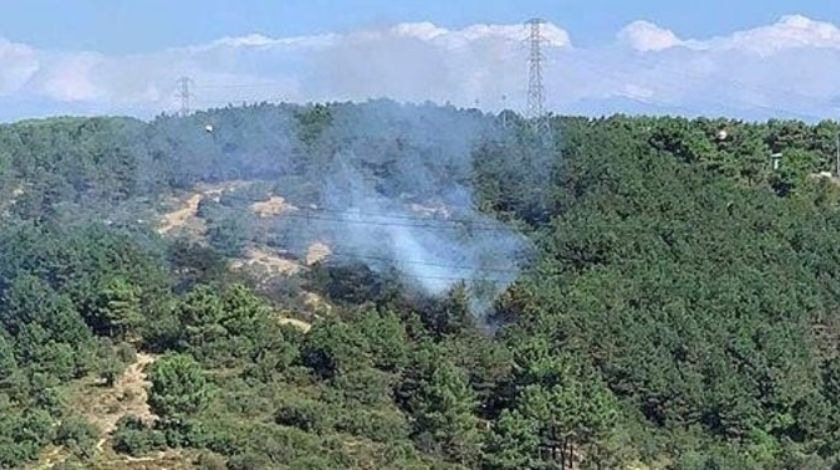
[(837, 157), (504, 111), (536, 88), (184, 94)]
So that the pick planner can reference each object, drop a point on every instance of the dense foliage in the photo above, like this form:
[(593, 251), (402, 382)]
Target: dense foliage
[(680, 309)]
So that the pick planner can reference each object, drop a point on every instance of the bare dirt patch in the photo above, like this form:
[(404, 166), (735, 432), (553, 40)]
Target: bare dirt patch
[(274, 206), (826, 175), (103, 406), (317, 252), (299, 324), (177, 219), (186, 216), (316, 303), (127, 397), (437, 210), (272, 262)]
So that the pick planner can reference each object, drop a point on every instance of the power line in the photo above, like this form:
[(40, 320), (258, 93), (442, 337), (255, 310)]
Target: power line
[(417, 218), (458, 267), (466, 226), (243, 85), (475, 272), (536, 89), (603, 71)]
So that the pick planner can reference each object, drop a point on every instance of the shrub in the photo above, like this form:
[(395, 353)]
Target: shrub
[(304, 414), (133, 437), (126, 353), (77, 435)]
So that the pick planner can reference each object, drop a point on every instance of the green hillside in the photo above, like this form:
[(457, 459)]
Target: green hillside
[(673, 302)]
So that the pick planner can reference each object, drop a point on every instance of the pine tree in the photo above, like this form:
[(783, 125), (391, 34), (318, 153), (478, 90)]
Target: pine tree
[(444, 409)]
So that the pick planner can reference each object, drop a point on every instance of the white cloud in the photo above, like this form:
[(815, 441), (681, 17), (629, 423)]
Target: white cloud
[(260, 41), (786, 68), (645, 36), (18, 63), (72, 78), (790, 32), (426, 31)]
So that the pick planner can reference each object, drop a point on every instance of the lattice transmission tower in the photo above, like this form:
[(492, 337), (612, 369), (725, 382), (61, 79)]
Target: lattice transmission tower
[(184, 94), (536, 87)]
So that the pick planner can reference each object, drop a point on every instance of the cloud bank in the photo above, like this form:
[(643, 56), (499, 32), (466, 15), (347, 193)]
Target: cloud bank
[(785, 69)]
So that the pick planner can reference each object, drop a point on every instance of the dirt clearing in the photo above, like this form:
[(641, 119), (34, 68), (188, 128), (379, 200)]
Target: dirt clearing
[(177, 219), (267, 260), (273, 207), (316, 253)]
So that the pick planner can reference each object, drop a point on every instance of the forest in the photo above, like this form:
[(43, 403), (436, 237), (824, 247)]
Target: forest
[(595, 293)]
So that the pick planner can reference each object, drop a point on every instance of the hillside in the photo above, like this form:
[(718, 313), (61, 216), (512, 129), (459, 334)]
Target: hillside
[(392, 286)]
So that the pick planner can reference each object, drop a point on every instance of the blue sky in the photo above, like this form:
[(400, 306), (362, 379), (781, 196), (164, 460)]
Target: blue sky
[(120, 26), (749, 59)]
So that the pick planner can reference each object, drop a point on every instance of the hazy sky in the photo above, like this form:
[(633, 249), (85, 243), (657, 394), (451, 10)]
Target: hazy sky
[(119, 26), (746, 58)]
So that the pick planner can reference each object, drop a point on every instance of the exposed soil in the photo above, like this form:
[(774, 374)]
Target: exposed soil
[(316, 253), (273, 207), (103, 406), (270, 261), (187, 215), (127, 397), (300, 324), (179, 218)]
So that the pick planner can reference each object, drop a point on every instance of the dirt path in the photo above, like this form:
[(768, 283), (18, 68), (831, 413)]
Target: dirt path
[(189, 211), (268, 260), (299, 324), (180, 217), (130, 393), (317, 252), (104, 406), (274, 206)]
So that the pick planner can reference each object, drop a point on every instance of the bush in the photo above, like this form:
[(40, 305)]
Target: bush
[(178, 386), (377, 425), (210, 461), (304, 414), (312, 462), (368, 386), (110, 370), (133, 437), (126, 353), (249, 461), (78, 435)]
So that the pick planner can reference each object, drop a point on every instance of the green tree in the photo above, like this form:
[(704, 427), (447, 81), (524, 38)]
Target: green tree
[(444, 411), (200, 314), (513, 443), (332, 347), (31, 301), (179, 387), (118, 309)]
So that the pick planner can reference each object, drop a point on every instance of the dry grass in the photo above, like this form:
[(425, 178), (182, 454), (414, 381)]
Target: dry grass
[(316, 253), (299, 324), (168, 460), (179, 218), (273, 207), (269, 261), (127, 397), (103, 406), (826, 175), (439, 210), (316, 303), (187, 215)]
